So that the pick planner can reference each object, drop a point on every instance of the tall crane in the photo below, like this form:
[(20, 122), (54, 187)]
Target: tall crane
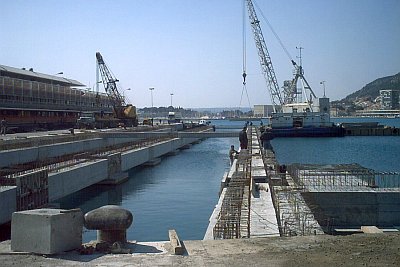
[(126, 113), (265, 59), (290, 88)]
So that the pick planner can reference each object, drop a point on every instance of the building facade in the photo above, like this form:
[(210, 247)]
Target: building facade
[(389, 99), (262, 111), (32, 100)]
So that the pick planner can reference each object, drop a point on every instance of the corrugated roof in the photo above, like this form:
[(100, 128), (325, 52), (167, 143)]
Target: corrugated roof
[(34, 74)]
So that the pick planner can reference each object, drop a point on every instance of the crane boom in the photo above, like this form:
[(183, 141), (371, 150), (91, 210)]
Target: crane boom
[(125, 113), (265, 59), (109, 82)]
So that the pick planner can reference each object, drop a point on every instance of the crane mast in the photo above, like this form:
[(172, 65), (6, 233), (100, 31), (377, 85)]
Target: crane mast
[(265, 59)]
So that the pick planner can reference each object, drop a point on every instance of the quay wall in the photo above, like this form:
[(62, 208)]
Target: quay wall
[(32, 154), (7, 202), (137, 157), (72, 179), (76, 178)]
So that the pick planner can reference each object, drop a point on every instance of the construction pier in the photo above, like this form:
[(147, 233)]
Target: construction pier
[(36, 169), (259, 197)]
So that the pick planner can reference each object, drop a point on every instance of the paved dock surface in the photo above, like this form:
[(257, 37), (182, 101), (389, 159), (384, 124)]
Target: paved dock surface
[(320, 250)]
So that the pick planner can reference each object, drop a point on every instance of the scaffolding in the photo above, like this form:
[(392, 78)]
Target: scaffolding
[(294, 215), (32, 188), (233, 220), (342, 177)]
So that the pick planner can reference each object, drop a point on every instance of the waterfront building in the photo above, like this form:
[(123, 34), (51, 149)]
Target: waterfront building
[(389, 99), (32, 100), (262, 111)]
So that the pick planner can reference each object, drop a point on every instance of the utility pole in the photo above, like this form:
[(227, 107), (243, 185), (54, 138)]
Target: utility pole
[(152, 111)]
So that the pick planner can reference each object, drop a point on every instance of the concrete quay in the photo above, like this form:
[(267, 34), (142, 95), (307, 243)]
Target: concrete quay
[(83, 169), (321, 250)]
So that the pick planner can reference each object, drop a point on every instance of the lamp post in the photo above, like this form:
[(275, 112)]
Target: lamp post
[(171, 98), (323, 83), (151, 93)]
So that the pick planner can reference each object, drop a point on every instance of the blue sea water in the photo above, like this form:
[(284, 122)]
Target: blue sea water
[(181, 192), (380, 153)]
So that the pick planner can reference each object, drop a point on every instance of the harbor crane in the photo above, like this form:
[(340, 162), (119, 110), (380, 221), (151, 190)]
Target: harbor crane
[(125, 113), (289, 94), (265, 59), (290, 87)]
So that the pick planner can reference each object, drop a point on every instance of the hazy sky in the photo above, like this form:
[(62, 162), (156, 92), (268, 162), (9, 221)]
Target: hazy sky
[(193, 48)]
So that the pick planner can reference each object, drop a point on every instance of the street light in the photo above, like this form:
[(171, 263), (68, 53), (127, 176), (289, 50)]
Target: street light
[(323, 83), (151, 93), (171, 98)]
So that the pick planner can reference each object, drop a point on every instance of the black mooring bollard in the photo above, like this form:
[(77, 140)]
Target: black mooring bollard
[(111, 222)]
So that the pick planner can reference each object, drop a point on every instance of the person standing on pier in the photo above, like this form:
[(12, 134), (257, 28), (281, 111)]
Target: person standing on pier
[(232, 153), (3, 126), (266, 138), (243, 138)]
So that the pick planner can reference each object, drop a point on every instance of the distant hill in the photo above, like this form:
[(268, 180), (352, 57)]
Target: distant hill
[(371, 90)]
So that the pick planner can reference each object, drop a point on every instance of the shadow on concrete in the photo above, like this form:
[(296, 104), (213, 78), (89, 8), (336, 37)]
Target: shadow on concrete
[(75, 256), (137, 248)]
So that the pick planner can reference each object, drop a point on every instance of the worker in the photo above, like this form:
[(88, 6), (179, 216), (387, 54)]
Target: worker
[(3, 126), (243, 138), (232, 153), (266, 138)]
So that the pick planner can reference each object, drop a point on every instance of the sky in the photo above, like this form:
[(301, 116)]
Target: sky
[(193, 49)]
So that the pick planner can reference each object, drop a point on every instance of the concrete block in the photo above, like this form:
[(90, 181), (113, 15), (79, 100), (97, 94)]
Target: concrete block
[(8, 202), (46, 231)]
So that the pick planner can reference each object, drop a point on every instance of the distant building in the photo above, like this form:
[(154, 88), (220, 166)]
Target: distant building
[(389, 99), (261, 111), (32, 100)]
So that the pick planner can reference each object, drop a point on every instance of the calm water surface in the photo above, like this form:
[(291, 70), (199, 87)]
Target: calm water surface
[(182, 191)]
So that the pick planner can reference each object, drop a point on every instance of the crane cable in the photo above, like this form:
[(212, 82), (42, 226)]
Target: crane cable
[(275, 34), (244, 75), (244, 43)]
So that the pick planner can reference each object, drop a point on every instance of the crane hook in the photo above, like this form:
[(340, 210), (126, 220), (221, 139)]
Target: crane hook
[(244, 78)]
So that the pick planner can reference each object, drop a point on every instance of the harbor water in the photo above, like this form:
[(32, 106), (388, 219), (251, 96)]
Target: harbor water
[(181, 192)]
